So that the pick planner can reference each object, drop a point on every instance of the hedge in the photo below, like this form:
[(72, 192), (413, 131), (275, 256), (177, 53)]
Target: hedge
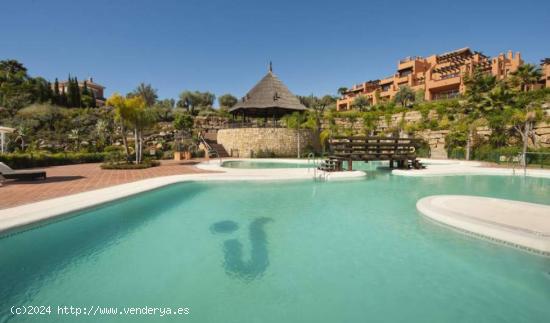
[(145, 164), (18, 161)]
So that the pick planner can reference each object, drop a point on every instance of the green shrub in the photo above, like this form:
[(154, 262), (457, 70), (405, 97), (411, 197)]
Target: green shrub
[(496, 155), (197, 153), (144, 164), (263, 154), (114, 154), (28, 160), (457, 153), (423, 150), (541, 157)]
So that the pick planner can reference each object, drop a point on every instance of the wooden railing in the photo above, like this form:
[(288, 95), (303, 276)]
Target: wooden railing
[(366, 148)]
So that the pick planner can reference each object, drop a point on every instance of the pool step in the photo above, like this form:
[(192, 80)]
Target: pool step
[(222, 153)]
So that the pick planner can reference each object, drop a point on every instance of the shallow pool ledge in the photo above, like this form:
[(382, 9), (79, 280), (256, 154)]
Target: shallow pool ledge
[(518, 224), (435, 167)]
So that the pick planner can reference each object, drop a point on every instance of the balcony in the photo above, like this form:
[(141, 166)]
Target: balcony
[(410, 59), (454, 79)]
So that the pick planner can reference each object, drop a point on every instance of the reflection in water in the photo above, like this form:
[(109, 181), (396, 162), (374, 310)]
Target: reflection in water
[(233, 250), (224, 227)]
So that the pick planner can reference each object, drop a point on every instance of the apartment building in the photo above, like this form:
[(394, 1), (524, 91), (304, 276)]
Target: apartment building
[(438, 76)]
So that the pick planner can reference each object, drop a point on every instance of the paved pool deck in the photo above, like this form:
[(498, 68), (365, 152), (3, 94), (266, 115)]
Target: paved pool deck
[(72, 179), (519, 224)]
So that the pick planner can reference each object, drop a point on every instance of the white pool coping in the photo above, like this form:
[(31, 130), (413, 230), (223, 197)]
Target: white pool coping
[(519, 224), (461, 168), (15, 218)]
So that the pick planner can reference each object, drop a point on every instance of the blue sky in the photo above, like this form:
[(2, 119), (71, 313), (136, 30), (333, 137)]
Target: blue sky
[(225, 46)]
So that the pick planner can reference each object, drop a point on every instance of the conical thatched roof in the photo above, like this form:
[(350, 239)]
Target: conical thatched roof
[(270, 97)]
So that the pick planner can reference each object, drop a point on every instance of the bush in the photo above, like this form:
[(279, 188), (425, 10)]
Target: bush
[(423, 150), (496, 155), (144, 164), (114, 154), (18, 161), (263, 154), (457, 153), (541, 157), (197, 153)]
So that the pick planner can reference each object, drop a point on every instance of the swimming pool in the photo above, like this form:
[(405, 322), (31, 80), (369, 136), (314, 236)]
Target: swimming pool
[(259, 164), (302, 251)]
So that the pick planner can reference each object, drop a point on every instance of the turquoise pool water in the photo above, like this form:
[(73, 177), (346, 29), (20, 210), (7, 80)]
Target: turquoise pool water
[(262, 164), (304, 251)]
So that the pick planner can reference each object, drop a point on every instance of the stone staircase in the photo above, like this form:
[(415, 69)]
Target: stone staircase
[(438, 152), (222, 153)]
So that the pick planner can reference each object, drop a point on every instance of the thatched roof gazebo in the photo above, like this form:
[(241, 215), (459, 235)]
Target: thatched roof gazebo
[(270, 98)]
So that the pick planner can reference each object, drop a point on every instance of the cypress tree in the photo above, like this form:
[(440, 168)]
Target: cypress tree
[(63, 100), (85, 88), (78, 98), (69, 92), (94, 105), (50, 93), (56, 97)]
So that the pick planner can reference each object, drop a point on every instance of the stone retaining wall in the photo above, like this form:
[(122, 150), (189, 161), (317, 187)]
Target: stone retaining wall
[(253, 142)]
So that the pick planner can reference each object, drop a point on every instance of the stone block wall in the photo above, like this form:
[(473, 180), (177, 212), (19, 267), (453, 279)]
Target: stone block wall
[(249, 142)]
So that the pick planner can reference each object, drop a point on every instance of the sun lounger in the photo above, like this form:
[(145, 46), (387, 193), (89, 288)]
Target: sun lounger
[(9, 173)]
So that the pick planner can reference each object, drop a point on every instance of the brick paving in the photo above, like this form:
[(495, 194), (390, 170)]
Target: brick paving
[(71, 179)]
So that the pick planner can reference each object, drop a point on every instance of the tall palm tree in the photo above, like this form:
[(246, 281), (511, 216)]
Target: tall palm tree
[(342, 90), (404, 96), (360, 102), (146, 92), (525, 76)]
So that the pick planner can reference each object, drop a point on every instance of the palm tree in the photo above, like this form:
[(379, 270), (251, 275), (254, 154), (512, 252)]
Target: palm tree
[(526, 76), (75, 135), (296, 121), (21, 134), (342, 90), (478, 85), (361, 102), (494, 106), (146, 92), (101, 130), (404, 96)]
